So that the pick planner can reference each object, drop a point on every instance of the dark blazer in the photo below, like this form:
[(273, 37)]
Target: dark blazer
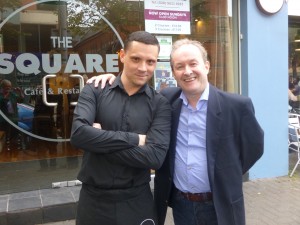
[(234, 142)]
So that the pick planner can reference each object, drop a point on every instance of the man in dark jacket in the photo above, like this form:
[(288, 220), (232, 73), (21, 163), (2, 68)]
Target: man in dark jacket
[(215, 139)]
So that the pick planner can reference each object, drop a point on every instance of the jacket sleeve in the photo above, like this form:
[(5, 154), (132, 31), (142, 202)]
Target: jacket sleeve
[(88, 138), (252, 138), (152, 154)]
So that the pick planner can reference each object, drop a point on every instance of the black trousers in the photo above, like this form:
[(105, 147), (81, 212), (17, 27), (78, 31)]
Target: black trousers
[(132, 206)]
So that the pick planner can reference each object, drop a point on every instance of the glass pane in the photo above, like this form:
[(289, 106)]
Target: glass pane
[(36, 108), (294, 62), (48, 49)]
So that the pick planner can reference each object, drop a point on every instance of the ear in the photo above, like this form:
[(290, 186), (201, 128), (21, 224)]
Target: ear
[(122, 55), (207, 66)]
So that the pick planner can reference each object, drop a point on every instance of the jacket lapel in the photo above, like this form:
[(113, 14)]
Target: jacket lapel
[(213, 128)]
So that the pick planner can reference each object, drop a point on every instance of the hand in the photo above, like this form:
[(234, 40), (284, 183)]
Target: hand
[(97, 125), (103, 79), (17, 89), (19, 92), (142, 139)]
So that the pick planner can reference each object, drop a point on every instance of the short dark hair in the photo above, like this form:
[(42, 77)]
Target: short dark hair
[(143, 37)]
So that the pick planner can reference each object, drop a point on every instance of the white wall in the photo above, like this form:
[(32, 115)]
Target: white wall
[(293, 7)]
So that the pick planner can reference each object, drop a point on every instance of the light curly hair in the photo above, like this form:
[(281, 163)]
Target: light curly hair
[(187, 41)]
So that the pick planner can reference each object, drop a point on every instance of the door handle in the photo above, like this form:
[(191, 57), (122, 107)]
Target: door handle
[(44, 87), (81, 84)]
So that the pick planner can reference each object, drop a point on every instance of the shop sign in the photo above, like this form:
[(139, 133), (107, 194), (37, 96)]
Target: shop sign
[(29, 63), (24, 64), (167, 16)]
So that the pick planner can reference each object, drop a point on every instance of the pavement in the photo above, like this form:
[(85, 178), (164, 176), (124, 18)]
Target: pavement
[(270, 201)]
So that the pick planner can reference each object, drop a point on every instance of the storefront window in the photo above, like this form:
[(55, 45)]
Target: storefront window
[(294, 62), (48, 49)]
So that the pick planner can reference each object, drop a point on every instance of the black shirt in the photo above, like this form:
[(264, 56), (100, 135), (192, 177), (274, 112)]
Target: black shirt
[(112, 158)]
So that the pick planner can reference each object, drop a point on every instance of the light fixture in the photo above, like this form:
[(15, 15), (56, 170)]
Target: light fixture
[(269, 6), (297, 49)]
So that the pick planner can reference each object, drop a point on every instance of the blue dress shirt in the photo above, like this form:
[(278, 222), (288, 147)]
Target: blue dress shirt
[(190, 158)]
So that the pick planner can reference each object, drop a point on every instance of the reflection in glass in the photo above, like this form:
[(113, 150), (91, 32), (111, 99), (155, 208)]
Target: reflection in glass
[(81, 37)]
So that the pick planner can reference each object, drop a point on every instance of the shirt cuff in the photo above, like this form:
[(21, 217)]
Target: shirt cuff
[(133, 139)]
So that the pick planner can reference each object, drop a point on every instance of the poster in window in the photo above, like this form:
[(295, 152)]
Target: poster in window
[(167, 16), (163, 76), (165, 43)]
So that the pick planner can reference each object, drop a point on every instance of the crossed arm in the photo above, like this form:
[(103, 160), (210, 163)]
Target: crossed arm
[(126, 148), (110, 78)]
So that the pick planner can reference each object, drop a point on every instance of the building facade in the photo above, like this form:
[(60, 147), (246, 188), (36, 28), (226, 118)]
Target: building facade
[(48, 48)]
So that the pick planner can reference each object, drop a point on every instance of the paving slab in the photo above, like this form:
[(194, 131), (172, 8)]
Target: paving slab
[(268, 201)]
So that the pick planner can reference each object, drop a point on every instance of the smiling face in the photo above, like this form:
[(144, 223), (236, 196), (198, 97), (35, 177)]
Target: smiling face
[(6, 87), (190, 70), (139, 64)]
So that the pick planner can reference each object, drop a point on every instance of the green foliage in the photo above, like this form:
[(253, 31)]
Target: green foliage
[(199, 10), (12, 4), (83, 17)]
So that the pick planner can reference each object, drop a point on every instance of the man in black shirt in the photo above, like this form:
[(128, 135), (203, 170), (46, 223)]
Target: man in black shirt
[(132, 137)]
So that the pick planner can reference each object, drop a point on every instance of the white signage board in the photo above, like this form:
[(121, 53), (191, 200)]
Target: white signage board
[(167, 16)]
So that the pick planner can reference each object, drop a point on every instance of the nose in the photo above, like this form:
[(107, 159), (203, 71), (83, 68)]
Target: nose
[(143, 66), (187, 70)]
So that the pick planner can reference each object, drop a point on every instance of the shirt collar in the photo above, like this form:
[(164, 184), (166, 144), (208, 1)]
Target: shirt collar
[(203, 97), (118, 83)]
